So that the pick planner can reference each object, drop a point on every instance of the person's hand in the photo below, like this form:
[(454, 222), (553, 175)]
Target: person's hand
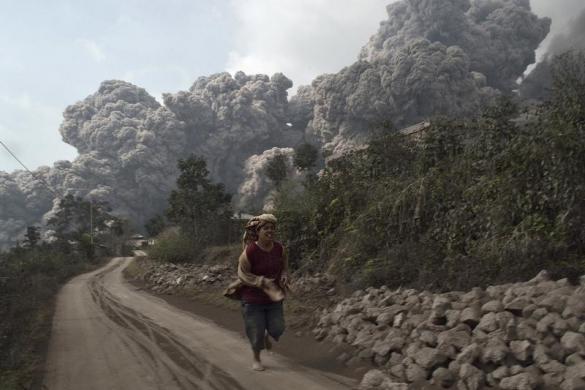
[(271, 289), (283, 280), (267, 282)]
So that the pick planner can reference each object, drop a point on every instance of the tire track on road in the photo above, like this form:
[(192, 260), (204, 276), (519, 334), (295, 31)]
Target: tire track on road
[(190, 370), (108, 335)]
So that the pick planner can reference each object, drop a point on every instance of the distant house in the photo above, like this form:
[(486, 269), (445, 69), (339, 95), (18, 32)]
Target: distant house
[(138, 241), (416, 131), (242, 216)]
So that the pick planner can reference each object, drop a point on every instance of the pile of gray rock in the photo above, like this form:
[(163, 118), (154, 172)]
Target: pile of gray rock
[(528, 335), (168, 277), (316, 285)]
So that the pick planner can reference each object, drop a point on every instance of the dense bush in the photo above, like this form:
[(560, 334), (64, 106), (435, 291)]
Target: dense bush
[(199, 207), (155, 225), (469, 203), (29, 279), (199, 216), (30, 275), (172, 246)]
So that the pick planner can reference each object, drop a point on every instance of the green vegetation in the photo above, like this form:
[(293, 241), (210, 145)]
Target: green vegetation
[(198, 206), (305, 157), (31, 274), (172, 246), (276, 170), (29, 278), (89, 227), (32, 236), (470, 203), (465, 203), (200, 211), (155, 226)]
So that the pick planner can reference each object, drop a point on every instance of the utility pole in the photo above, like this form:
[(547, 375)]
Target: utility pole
[(55, 192), (90, 223)]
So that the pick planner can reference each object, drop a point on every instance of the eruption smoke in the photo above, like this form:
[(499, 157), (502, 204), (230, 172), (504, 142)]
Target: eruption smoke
[(498, 36), (129, 145), (538, 83), (230, 118), (429, 57), (23, 201), (256, 191)]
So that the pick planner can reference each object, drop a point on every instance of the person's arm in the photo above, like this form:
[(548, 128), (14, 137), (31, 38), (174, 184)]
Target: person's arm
[(245, 272)]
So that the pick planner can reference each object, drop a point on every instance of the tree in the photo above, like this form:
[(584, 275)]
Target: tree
[(71, 219), (200, 207), (276, 169), (305, 156), (155, 225), (83, 222), (568, 97), (32, 236)]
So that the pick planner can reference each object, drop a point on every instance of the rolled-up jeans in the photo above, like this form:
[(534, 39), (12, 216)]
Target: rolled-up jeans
[(262, 318)]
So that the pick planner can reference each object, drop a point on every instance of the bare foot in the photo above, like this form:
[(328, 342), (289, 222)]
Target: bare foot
[(257, 366)]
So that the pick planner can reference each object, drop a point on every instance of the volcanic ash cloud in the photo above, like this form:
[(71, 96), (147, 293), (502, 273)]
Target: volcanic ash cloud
[(538, 83), (23, 201), (429, 57), (128, 145), (256, 191), (230, 118)]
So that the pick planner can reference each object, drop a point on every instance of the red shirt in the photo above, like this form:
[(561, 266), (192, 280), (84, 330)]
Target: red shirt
[(263, 263)]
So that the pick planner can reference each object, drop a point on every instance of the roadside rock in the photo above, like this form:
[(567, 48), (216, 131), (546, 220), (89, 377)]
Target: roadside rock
[(514, 336), (527, 335)]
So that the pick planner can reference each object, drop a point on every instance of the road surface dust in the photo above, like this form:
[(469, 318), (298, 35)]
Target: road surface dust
[(109, 335)]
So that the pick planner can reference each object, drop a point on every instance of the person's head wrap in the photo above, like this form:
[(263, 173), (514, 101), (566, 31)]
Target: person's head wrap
[(254, 224)]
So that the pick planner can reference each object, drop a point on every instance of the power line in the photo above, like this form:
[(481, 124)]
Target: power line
[(41, 179), (55, 192)]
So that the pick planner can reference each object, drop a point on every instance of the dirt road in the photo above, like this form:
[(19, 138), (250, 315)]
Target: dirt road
[(108, 335)]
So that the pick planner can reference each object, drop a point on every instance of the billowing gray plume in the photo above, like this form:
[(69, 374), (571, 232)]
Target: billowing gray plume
[(23, 201), (129, 145), (255, 191), (538, 83), (429, 57), (229, 118)]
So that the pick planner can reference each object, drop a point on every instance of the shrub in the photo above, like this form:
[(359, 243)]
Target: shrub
[(173, 247), (470, 203), (30, 278), (199, 207)]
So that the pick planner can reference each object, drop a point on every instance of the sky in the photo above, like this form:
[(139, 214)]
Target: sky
[(55, 53)]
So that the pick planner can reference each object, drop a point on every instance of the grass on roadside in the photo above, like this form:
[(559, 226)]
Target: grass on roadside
[(32, 278)]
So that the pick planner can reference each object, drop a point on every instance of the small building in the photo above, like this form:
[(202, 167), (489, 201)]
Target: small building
[(416, 131), (137, 241), (240, 216)]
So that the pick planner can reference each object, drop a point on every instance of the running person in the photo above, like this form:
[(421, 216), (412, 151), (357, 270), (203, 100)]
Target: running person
[(262, 269)]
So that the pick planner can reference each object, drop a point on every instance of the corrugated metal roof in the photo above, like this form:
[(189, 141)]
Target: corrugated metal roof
[(415, 128)]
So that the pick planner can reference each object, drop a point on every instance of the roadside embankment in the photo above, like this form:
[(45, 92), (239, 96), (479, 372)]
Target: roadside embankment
[(528, 335), (198, 289)]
